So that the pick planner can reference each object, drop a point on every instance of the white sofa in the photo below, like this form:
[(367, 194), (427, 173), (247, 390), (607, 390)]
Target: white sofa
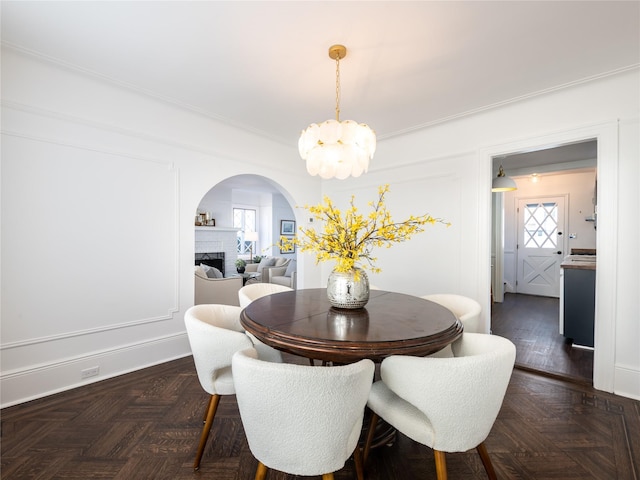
[(216, 290), (262, 269)]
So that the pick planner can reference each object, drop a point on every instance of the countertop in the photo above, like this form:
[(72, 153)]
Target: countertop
[(580, 262)]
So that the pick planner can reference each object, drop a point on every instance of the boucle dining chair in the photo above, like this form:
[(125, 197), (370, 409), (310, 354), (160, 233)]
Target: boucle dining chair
[(465, 308), (249, 293), (215, 334), (447, 404), (299, 419)]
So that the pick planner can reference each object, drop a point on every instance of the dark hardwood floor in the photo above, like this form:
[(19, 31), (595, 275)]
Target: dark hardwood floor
[(146, 425), (531, 323)]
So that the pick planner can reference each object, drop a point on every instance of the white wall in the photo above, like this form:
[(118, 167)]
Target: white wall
[(445, 170), (578, 187), (100, 185), (281, 211), (219, 203)]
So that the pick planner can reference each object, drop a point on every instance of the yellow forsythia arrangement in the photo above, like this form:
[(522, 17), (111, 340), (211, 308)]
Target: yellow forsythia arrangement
[(350, 239)]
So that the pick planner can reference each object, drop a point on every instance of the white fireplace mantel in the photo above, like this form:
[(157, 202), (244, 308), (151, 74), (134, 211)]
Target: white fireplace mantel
[(218, 229), (218, 239)]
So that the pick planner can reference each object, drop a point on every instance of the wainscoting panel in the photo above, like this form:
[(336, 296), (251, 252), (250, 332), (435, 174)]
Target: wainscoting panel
[(89, 263)]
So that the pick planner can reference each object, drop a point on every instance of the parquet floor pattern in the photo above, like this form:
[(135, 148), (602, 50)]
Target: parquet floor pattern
[(531, 323), (145, 425)]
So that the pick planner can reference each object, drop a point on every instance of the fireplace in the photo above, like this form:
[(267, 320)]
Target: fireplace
[(213, 259)]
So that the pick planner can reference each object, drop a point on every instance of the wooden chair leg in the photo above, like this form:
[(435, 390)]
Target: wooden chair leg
[(211, 413), (327, 476), (357, 458), (312, 362), (441, 465), (261, 472), (370, 434), (486, 461)]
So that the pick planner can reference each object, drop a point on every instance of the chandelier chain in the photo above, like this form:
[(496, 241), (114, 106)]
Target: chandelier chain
[(338, 88)]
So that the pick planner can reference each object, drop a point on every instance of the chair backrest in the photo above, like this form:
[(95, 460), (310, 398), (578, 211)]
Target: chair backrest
[(253, 291), (465, 308), (216, 290), (215, 334), (461, 396), (299, 419)]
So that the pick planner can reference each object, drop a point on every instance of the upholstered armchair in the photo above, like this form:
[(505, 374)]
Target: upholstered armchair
[(465, 308), (215, 334), (284, 275), (249, 293), (262, 269), (447, 404), (216, 290), (299, 419)]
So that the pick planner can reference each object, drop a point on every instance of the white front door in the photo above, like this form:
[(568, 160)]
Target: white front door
[(540, 245)]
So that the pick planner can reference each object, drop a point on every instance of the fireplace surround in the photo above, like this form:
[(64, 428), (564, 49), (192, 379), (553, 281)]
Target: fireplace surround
[(213, 259)]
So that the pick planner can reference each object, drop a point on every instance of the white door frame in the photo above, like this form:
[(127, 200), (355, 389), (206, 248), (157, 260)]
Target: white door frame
[(606, 135)]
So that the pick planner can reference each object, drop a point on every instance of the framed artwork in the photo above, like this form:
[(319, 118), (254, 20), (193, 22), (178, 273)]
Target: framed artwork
[(287, 248), (287, 227)]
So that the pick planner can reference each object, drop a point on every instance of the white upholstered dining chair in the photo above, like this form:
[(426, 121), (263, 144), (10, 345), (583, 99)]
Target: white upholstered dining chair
[(215, 334), (251, 292), (299, 419), (447, 404), (465, 308)]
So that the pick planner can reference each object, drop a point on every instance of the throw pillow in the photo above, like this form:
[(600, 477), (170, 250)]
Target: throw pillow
[(290, 268), (200, 272), (266, 262), (213, 272)]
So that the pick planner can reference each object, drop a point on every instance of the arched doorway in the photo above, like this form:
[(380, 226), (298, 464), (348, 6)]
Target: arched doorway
[(229, 211)]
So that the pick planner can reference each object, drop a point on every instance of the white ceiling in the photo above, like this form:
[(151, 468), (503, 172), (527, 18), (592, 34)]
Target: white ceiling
[(264, 65)]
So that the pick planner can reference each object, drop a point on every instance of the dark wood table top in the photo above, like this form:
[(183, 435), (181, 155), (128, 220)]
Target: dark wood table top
[(303, 322)]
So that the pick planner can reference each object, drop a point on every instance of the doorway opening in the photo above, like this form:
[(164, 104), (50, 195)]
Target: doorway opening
[(237, 226), (535, 227)]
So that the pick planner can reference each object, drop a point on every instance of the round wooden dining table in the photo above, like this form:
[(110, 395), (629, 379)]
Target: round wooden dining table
[(303, 322)]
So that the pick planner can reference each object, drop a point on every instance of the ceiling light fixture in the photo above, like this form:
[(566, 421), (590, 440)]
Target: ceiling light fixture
[(334, 148), (503, 183)]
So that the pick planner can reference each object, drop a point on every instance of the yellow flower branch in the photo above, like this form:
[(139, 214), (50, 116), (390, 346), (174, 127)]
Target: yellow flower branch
[(352, 238)]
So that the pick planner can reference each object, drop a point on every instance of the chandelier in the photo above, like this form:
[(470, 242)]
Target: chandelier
[(334, 148)]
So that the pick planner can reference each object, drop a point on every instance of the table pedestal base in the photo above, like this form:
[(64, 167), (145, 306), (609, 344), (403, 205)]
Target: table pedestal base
[(384, 434)]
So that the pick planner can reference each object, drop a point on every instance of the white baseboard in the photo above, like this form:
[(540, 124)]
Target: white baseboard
[(32, 383), (627, 382)]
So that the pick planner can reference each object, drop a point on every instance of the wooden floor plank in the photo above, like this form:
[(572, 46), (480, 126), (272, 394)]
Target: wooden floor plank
[(532, 324), (546, 429)]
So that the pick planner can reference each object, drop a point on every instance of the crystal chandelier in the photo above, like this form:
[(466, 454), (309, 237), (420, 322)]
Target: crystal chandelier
[(334, 148)]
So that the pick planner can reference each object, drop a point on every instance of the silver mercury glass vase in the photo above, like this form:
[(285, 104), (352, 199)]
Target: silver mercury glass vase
[(344, 291)]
